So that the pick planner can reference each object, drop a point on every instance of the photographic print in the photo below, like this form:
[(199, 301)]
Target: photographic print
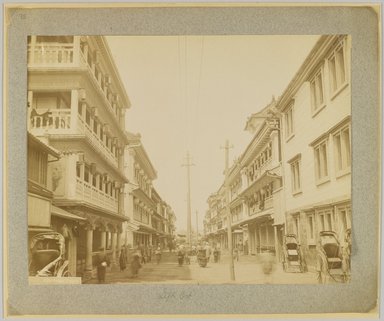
[(115, 125), (191, 160)]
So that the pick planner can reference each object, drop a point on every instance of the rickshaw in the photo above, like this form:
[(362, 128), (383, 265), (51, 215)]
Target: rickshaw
[(202, 259), (292, 261), (329, 258), (47, 251)]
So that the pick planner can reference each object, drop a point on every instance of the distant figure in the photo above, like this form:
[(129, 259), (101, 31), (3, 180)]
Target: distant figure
[(236, 253), (142, 253), (267, 262), (101, 266), (158, 254), (135, 265), (123, 259)]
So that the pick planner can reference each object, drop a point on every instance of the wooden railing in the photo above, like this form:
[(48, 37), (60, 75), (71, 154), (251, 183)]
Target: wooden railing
[(51, 54), (52, 119), (85, 191)]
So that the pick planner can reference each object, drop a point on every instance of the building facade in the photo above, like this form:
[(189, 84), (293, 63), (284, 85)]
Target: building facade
[(316, 144), (77, 103), (151, 219), (295, 175)]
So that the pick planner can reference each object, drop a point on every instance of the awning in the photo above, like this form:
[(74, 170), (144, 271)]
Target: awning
[(57, 211), (39, 229)]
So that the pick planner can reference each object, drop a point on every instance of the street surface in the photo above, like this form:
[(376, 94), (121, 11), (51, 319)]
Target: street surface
[(247, 271)]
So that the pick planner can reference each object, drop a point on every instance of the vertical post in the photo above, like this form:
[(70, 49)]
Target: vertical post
[(74, 109), (188, 164), (103, 239), (76, 50), (230, 245), (277, 250), (113, 246), (197, 229), (88, 257)]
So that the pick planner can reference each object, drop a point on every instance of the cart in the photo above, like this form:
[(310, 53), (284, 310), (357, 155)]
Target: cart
[(47, 251), (292, 261), (329, 258)]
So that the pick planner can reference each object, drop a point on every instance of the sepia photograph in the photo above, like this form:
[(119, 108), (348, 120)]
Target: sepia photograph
[(191, 160)]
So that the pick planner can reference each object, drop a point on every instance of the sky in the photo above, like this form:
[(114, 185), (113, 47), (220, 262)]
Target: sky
[(191, 93)]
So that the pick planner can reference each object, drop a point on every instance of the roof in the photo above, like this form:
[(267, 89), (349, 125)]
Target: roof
[(57, 211), (43, 146)]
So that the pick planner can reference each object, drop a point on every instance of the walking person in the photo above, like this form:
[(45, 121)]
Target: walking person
[(142, 253), (158, 254), (123, 259), (101, 265), (135, 265)]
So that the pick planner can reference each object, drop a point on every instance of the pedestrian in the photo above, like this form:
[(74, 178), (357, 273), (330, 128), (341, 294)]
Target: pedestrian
[(135, 265), (267, 262), (149, 257), (123, 259), (142, 253), (158, 254), (101, 265), (236, 250)]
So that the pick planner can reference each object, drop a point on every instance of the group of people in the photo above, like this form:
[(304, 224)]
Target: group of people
[(141, 255)]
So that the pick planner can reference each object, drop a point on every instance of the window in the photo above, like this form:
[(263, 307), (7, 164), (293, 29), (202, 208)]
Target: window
[(295, 174), (289, 122), (321, 162), (94, 180), (326, 220), (311, 227), (342, 150), (317, 94), (95, 126), (337, 68)]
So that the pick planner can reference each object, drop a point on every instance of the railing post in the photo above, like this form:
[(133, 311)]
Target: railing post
[(76, 50), (32, 50)]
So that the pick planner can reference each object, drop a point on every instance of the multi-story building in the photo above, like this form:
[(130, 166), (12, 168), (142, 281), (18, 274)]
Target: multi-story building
[(77, 102), (316, 144), (295, 175), (151, 220), (255, 185)]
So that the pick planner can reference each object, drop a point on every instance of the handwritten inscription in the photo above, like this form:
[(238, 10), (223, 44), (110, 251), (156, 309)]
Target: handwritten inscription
[(169, 294)]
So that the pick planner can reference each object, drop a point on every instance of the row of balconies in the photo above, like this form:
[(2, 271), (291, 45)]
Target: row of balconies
[(64, 55), (67, 121)]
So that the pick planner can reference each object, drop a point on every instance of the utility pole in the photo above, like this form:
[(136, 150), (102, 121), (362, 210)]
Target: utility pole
[(188, 164), (227, 209), (197, 229)]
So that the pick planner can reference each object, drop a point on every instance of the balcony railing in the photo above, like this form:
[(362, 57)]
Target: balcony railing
[(51, 54), (95, 141), (255, 209), (91, 194), (69, 55), (58, 121), (55, 120)]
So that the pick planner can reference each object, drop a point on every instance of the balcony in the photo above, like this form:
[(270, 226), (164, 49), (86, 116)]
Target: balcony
[(71, 55), (51, 54), (90, 194), (95, 141), (256, 209), (66, 122)]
